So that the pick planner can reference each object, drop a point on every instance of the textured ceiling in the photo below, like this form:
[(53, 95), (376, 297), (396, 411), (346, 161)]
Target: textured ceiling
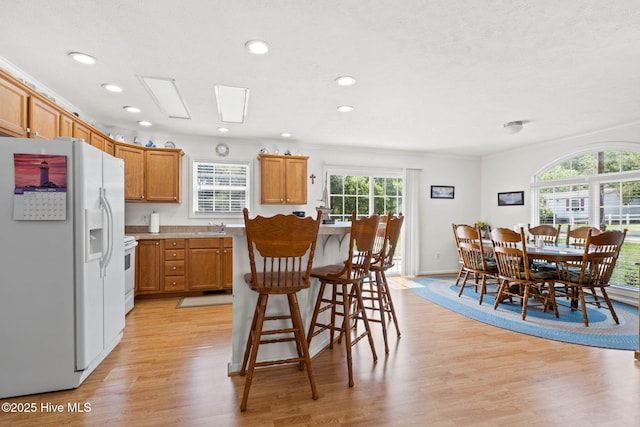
[(434, 76)]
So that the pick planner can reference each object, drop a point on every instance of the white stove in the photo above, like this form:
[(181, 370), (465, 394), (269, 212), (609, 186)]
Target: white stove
[(129, 271)]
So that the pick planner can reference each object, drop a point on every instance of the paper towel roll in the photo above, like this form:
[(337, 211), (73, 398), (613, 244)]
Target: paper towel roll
[(154, 223)]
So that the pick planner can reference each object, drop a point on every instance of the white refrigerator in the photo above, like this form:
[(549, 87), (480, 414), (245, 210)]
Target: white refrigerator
[(62, 267)]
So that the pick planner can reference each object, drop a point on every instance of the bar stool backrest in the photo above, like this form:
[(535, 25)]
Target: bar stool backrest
[(392, 235), (361, 240), (281, 250)]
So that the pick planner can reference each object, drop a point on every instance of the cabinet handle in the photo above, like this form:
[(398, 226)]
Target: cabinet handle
[(173, 268), (36, 133), (175, 255), (174, 243), (142, 197), (174, 283), (157, 243)]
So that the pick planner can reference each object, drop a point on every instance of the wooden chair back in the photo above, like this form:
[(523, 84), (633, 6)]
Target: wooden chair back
[(578, 236), (384, 259), (361, 240), (599, 260), (281, 250), (548, 233), (510, 251), (470, 247)]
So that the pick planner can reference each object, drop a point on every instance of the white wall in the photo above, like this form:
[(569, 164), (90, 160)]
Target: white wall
[(513, 170), (438, 252)]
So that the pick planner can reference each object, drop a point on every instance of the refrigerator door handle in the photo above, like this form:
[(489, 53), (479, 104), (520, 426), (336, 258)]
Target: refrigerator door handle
[(104, 261)]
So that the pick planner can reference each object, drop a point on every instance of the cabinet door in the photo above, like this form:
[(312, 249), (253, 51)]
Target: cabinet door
[(44, 119), (227, 264), (163, 173), (109, 147), (296, 181), (14, 102), (97, 140), (66, 125), (133, 172), (148, 264), (82, 132), (271, 180), (204, 266)]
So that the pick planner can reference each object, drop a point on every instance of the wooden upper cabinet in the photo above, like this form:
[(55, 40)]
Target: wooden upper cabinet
[(283, 179), (44, 119), (163, 175), (295, 172), (66, 125), (109, 146), (151, 175), (133, 171), (97, 140), (81, 131), (14, 102)]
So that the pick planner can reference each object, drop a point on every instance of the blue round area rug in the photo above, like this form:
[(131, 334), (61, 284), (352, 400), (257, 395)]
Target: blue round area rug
[(569, 327)]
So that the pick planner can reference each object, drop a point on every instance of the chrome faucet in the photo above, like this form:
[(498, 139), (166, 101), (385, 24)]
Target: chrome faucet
[(221, 226)]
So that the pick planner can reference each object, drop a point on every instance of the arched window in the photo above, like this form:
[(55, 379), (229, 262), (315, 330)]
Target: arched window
[(601, 189)]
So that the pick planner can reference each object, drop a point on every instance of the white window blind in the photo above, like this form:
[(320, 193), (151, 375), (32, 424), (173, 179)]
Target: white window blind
[(220, 187)]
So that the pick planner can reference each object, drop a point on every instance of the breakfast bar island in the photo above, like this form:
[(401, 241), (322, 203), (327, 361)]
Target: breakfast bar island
[(332, 247)]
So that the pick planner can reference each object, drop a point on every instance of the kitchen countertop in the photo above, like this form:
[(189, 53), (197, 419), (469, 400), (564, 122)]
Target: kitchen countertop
[(198, 232)]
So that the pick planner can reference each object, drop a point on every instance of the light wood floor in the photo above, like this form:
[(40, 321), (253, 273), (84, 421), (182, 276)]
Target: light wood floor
[(446, 370)]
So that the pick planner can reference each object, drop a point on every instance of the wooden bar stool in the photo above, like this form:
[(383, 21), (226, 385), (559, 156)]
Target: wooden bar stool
[(281, 250), (345, 281), (375, 290)]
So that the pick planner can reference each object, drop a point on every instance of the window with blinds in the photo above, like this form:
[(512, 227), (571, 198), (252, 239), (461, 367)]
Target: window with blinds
[(220, 187)]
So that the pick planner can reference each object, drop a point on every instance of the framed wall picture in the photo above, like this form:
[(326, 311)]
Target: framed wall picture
[(442, 191), (512, 198)]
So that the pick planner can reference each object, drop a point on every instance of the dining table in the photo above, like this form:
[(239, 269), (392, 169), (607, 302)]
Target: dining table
[(553, 254)]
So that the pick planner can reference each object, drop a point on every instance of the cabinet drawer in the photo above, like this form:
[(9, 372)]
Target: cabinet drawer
[(174, 244), (174, 283), (173, 255), (204, 243), (174, 268)]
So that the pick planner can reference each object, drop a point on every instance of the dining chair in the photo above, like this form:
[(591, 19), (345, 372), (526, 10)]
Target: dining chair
[(474, 260), (548, 233), (345, 283), (593, 273), (578, 236), (281, 251), (376, 295), (517, 280), (461, 269)]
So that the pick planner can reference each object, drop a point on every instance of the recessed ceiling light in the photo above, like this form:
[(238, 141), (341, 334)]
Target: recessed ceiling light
[(345, 108), (112, 88), (257, 47), (131, 109), (83, 58), (223, 129), (144, 123), (285, 135), (345, 81)]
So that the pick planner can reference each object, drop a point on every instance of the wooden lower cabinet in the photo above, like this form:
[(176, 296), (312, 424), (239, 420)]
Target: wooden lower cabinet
[(173, 265), (210, 264), (182, 265), (148, 257)]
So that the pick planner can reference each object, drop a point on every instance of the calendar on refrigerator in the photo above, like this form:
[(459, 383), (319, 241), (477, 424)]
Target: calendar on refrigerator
[(40, 187)]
